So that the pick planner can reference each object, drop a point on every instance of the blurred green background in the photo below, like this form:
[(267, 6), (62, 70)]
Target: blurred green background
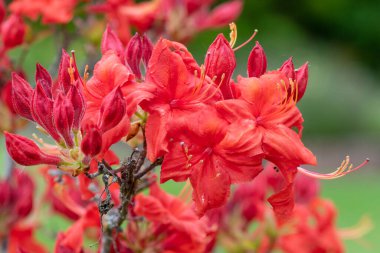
[(341, 41)]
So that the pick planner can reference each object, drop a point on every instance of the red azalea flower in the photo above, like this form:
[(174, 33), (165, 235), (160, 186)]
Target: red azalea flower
[(72, 240), (178, 87), (21, 239), (175, 224), (213, 154), (314, 229), (52, 11), (272, 111), (112, 80), (180, 20)]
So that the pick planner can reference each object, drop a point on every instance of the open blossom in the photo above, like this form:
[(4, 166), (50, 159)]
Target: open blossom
[(51, 11), (178, 86), (214, 155), (113, 93), (272, 111), (175, 226)]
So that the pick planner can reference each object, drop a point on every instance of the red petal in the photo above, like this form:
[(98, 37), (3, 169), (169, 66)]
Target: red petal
[(211, 186), (22, 96), (42, 111)]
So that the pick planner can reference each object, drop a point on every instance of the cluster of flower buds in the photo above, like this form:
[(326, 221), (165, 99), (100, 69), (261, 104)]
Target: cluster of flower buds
[(58, 108)]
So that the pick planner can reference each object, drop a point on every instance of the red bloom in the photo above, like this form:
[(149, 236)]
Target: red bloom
[(175, 90), (180, 20), (21, 239), (214, 155), (314, 230), (112, 80), (72, 240), (174, 222), (52, 11), (272, 113)]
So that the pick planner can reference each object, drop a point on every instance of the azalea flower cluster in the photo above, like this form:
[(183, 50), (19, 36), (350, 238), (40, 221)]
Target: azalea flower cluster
[(193, 123)]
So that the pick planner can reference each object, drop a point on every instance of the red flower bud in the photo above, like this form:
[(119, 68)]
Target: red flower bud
[(139, 49), (21, 96), (288, 68), (64, 118), (257, 61), (12, 31), (92, 142), (110, 41), (26, 152), (147, 49), (75, 95), (42, 111), (302, 76), (43, 77), (220, 63), (63, 83), (112, 110)]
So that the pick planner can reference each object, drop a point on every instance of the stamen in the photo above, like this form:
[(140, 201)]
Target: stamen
[(345, 168), (249, 40), (233, 34), (185, 194), (202, 77), (86, 75), (204, 98), (38, 139), (358, 231)]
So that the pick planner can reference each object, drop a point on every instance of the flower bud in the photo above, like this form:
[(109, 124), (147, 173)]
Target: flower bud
[(64, 118), (110, 41), (287, 68), (257, 61), (26, 152), (302, 76), (76, 97), (220, 63), (42, 111), (43, 77), (112, 110), (21, 96), (147, 49), (63, 84), (139, 49), (92, 142), (13, 31)]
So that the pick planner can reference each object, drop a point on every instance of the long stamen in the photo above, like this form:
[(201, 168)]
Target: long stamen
[(202, 77), (204, 98), (233, 34), (185, 194), (358, 231), (246, 42), (345, 168)]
